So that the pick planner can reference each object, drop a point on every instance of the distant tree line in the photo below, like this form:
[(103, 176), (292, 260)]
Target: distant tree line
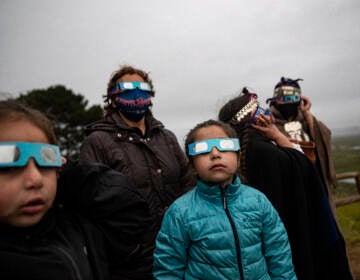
[(69, 114)]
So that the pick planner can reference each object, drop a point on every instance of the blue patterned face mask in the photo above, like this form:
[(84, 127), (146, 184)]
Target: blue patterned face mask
[(133, 104)]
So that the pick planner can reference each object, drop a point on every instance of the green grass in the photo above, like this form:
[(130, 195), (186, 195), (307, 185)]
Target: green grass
[(349, 219), (346, 153), (349, 141), (345, 190), (346, 157)]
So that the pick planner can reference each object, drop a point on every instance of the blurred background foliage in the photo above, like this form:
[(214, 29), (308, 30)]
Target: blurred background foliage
[(68, 111)]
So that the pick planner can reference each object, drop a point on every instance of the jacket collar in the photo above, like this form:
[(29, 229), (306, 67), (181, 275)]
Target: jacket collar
[(26, 234), (214, 192), (107, 124), (150, 122)]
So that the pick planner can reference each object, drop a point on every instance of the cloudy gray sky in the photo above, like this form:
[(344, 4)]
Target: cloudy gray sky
[(199, 53)]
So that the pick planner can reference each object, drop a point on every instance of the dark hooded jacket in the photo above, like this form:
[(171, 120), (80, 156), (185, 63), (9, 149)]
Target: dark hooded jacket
[(154, 163), (320, 134), (293, 185), (96, 218)]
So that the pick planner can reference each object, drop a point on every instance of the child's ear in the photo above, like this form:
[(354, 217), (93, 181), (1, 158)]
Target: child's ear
[(63, 161)]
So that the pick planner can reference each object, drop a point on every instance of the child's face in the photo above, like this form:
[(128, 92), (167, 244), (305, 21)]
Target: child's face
[(26, 193), (215, 167)]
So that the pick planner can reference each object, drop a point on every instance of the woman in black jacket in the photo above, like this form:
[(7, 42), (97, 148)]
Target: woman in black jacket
[(131, 140), (71, 229)]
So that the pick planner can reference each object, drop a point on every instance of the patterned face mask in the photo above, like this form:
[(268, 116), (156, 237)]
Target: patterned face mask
[(133, 104)]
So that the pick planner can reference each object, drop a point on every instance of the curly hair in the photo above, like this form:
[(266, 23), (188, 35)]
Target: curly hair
[(116, 75)]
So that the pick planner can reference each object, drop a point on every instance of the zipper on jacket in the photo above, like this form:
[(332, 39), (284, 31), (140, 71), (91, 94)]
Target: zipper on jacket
[(236, 236), (70, 259)]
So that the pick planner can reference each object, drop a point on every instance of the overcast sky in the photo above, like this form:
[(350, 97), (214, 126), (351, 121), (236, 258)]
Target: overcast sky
[(199, 53)]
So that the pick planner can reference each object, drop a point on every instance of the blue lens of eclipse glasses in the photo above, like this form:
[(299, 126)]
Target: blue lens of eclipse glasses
[(17, 154), (289, 98), (205, 146), (130, 86)]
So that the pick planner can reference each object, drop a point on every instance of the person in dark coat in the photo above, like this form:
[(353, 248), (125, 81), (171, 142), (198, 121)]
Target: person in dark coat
[(129, 139), (74, 227), (291, 182), (291, 110)]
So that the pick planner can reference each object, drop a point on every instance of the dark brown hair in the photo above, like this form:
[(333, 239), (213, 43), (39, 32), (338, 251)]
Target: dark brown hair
[(122, 71), (11, 110)]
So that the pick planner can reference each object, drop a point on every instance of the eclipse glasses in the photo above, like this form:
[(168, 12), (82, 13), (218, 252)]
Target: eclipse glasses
[(285, 99), (288, 99), (130, 86), (205, 146), (286, 94), (17, 154)]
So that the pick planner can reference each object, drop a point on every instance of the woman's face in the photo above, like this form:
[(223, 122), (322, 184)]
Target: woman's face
[(132, 104), (215, 167), (26, 193)]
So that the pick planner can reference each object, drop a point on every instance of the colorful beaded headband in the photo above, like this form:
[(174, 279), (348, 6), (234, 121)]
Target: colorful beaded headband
[(247, 109)]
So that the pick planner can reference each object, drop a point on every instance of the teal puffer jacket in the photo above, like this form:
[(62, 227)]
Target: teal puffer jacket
[(210, 233)]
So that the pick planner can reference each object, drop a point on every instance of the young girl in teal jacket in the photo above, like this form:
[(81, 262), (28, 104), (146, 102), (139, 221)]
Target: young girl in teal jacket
[(221, 229)]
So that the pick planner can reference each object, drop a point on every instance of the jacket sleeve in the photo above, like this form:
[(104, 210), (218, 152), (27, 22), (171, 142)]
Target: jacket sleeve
[(187, 179), (108, 201), (276, 246), (170, 255)]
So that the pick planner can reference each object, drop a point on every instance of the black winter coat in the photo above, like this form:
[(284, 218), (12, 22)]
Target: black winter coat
[(154, 163), (96, 219), (292, 184)]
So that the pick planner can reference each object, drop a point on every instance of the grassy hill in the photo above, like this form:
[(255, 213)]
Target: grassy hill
[(346, 156), (351, 140)]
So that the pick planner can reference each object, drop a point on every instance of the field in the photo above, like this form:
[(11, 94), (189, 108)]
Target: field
[(346, 155)]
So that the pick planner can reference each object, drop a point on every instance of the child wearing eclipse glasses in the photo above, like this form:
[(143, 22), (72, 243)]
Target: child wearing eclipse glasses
[(71, 228), (221, 229)]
